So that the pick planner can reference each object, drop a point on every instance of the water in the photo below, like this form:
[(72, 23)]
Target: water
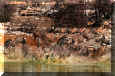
[(25, 67)]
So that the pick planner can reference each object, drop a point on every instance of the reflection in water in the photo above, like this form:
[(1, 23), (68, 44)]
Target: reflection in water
[(25, 67)]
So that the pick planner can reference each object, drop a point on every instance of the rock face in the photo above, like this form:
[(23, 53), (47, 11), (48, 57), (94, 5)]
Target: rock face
[(84, 42), (40, 36), (19, 51), (6, 11)]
